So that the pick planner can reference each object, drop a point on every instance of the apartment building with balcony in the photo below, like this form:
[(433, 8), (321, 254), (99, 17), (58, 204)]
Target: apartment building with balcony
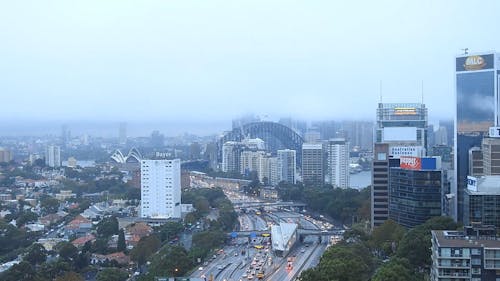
[(469, 255)]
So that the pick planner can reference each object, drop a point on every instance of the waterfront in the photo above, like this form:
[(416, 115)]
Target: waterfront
[(361, 179)]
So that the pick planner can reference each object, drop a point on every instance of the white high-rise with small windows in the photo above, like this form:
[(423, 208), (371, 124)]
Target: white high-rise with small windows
[(161, 188), (53, 156), (338, 163), (287, 165)]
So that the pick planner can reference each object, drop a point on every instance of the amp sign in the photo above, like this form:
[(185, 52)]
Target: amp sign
[(472, 183), (494, 132)]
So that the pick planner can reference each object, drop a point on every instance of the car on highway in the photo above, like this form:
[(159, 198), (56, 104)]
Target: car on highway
[(200, 268), (220, 267)]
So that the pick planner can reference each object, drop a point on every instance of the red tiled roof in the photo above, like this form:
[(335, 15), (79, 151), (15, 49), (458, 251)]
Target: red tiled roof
[(82, 240)]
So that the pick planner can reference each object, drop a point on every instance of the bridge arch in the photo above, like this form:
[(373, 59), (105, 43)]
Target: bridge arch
[(275, 135)]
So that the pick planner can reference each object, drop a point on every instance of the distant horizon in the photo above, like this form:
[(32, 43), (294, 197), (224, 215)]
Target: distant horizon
[(139, 128)]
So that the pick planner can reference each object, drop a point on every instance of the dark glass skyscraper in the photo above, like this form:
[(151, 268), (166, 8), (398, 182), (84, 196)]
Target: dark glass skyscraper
[(476, 111)]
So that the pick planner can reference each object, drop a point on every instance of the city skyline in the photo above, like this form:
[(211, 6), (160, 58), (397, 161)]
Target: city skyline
[(172, 61)]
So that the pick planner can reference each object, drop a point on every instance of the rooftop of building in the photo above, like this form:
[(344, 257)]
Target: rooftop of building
[(312, 146), (459, 239), (486, 185)]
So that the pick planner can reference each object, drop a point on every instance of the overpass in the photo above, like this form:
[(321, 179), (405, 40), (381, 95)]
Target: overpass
[(257, 204), (300, 231)]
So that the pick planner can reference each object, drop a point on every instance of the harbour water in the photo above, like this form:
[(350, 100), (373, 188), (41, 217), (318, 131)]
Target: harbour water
[(361, 179)]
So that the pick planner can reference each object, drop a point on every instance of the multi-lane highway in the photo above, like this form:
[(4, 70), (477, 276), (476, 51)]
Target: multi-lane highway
[(249, 259)]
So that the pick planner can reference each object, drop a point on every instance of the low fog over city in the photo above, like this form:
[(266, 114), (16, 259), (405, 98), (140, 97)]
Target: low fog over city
[(249, 140)]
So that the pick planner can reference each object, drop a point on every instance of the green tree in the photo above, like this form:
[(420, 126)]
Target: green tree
[(12, 238), (395, 270), (52, 269), (171, 261), (36, 254), (416, 244), (344, 262), (26, 217), (67, 251), (107, 227), (69, 276), (100, 246), (170, 230), (387, 235), (121, 246), (22, 271), (112, 274), (202, 205), (145, 248), (49, 204)]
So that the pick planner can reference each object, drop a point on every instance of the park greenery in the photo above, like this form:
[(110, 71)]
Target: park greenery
[(345, 205), (389, 253)]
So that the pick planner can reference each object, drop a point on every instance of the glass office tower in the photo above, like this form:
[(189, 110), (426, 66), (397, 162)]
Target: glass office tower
[(476, 111)]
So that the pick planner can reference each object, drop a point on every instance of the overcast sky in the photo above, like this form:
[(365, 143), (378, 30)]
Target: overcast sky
[(216, 60)]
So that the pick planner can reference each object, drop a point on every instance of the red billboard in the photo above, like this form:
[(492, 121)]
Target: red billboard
[(410, 163)]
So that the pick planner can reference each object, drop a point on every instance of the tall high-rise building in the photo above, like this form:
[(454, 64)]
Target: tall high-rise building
[(157, 139), (338, 163), (482, 201), (122, 133), (250, 161), (194, 151), (449, 126), (65, 135), (358, 133), (5, 155), (53, 156), (313, 164), (161, 188), (211, 155), (402, 124), (287, 161), (401, 130), (312, 137), (441, 136), (476, 111), (491, 156), (268, 170), (231, 157), (416, 190)]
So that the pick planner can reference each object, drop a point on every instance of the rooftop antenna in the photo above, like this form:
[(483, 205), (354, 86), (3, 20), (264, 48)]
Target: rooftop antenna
[(466, 51)]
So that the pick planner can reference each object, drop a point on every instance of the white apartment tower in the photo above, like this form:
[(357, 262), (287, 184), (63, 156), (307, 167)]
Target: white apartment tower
[(338, 163), (287, 165), (53, 156), (231, 157), (161, 188)]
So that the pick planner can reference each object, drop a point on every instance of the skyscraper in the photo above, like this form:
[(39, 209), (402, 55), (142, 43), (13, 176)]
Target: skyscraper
[(53, 156), (416, 190), (476, 111), (5, 155), (338, 163), (161, 188), (65, 135), (401, 130), (231, 157), (312, 164), (287, 165)]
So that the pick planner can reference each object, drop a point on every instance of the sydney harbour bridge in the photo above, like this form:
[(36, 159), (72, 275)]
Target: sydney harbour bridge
[(275, 135)]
